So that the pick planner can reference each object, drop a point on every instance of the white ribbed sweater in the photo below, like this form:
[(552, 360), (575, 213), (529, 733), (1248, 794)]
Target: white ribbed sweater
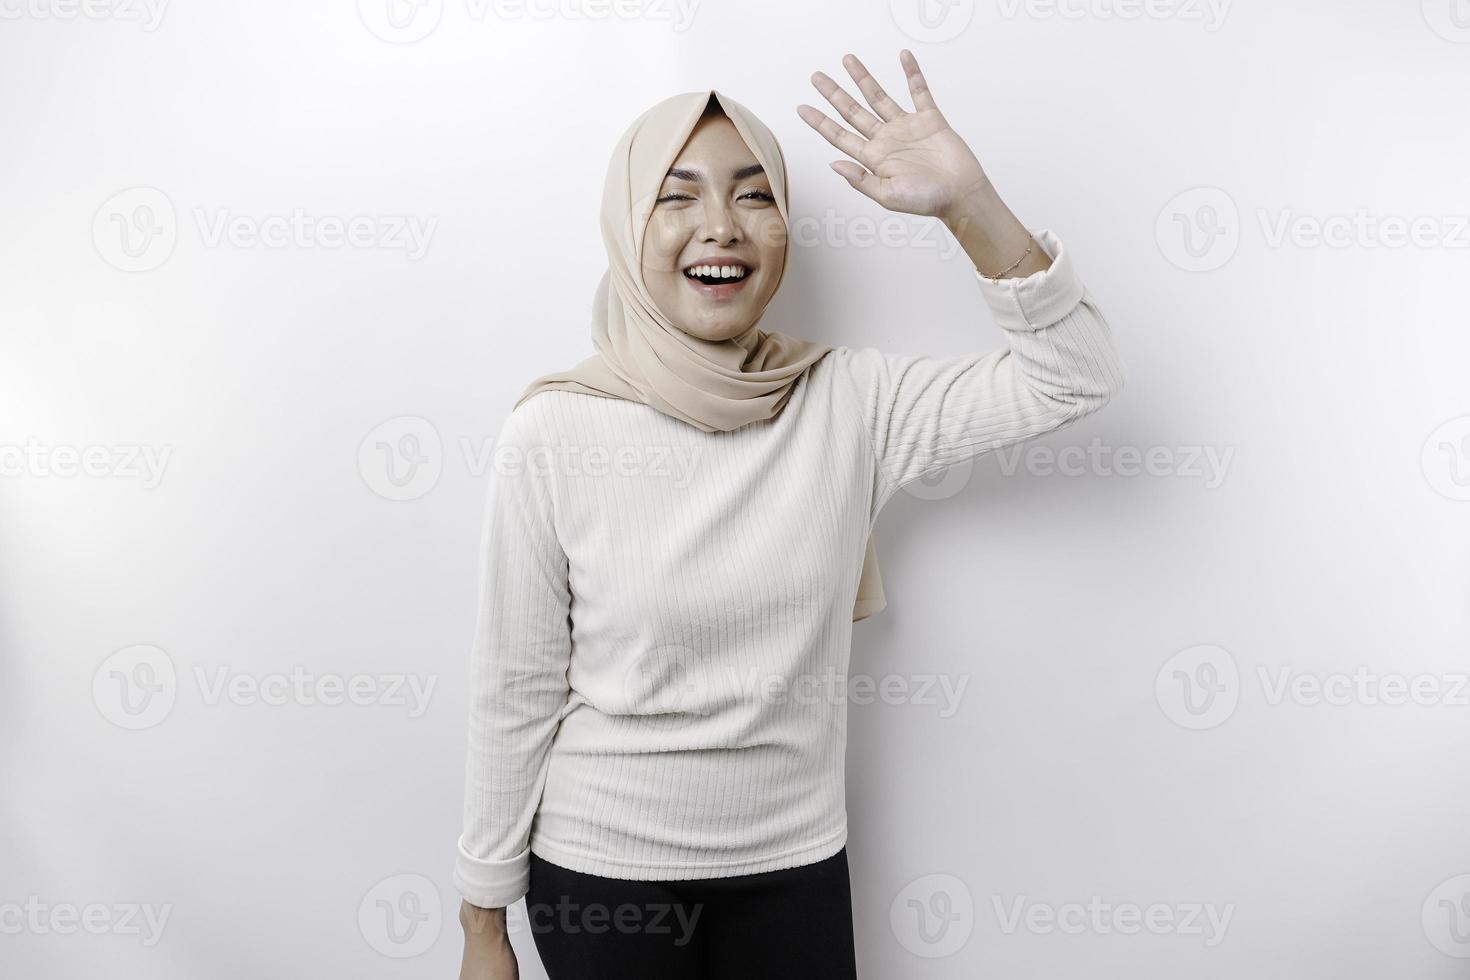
[(658, 676)]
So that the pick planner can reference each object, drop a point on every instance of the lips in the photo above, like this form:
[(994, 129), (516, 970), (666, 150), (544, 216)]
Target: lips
[(717, 277), (722, 290)]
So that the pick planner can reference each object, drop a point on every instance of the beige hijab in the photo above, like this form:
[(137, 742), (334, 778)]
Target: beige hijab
[(641, 355)]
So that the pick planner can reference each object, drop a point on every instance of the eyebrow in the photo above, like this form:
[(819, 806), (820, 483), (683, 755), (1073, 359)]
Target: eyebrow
[(695, 177)]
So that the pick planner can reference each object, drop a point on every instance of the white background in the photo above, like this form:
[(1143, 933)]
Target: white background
[(1080, 607)]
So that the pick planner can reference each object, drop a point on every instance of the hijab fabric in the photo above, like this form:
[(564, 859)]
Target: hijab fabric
[(642, 356)]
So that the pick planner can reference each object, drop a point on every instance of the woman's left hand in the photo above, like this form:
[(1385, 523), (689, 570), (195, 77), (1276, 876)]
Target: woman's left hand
[(914, 162)]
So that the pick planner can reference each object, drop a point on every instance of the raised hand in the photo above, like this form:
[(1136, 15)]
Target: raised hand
[(912, 162)]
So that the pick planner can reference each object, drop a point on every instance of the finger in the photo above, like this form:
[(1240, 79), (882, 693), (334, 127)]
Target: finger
[(918, 86), (857, 117), (844, 140), (867, 183), (885, 107)]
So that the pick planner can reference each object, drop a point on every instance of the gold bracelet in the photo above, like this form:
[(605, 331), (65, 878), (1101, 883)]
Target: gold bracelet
[(1009, 267)]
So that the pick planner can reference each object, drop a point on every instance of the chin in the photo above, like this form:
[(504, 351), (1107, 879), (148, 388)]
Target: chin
[(719, 326), (722, 329)]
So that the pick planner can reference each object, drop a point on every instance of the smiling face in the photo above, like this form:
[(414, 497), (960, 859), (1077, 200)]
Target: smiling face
[(715, 215)]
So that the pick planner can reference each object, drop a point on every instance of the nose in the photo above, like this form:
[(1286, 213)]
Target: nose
[(719, 224)]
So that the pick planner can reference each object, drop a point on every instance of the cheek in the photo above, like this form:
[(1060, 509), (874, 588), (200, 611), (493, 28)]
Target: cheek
[(769, 234), (663, 241)]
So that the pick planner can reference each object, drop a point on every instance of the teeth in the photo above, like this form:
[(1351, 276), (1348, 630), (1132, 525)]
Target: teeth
[(722, 271)]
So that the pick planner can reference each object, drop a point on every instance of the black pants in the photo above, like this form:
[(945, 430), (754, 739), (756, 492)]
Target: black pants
[(796, 922)]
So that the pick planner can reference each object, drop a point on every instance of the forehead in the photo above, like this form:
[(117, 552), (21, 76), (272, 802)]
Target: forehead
[(715, 146)]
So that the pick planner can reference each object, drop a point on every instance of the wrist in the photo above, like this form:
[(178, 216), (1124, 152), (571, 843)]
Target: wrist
[(481, 924), (979, 206), (993, 238)]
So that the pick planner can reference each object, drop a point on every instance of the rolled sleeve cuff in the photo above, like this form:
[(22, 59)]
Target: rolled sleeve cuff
[(492, 884), (1040, 299)]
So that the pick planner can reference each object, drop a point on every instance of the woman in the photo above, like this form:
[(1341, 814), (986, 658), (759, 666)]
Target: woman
[(690, 511)]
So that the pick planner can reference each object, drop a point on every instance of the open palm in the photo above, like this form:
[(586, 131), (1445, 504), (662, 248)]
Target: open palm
[(912, 162)]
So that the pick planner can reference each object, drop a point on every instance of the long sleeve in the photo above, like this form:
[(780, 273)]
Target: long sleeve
[(518, 671), (925, 413)]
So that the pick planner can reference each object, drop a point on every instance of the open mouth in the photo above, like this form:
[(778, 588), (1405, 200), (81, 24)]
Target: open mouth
[(717, 280)]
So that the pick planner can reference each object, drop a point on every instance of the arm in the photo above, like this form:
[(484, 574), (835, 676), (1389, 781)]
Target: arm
[(487, 951), (517, 683), (925, 413)]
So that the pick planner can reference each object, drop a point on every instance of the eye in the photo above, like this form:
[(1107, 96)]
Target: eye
[(677, 196)]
